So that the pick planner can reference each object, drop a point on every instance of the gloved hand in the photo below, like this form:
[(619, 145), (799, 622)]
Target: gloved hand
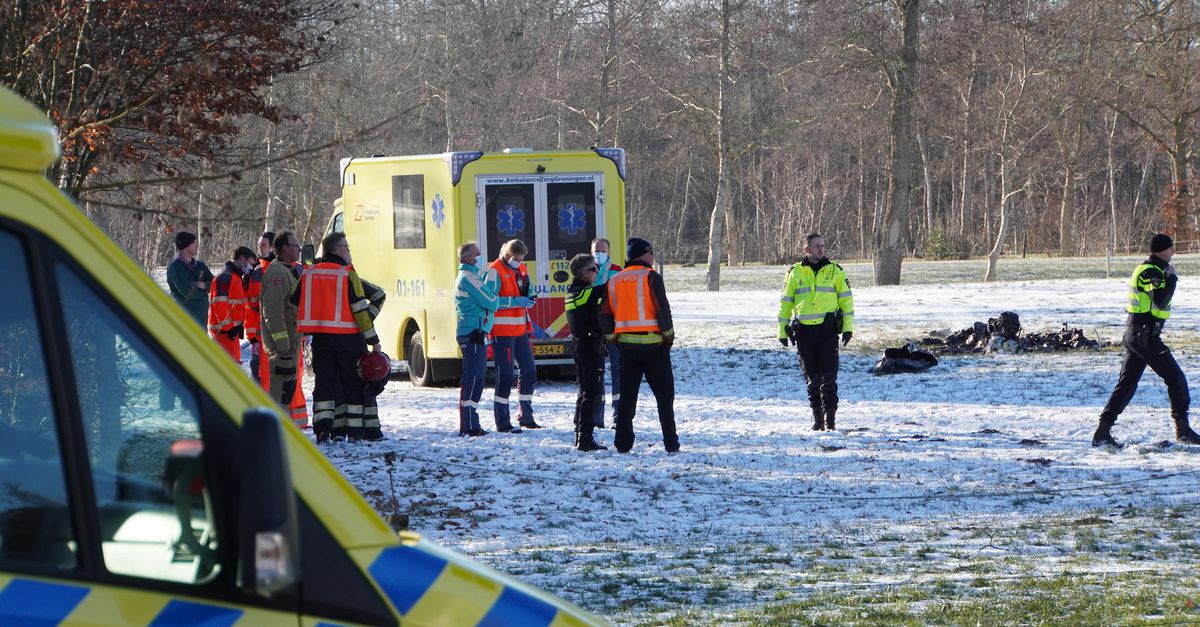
[(375, 347), (231, 333), (523, 301), (846, 335), (241, 331), (669, 340), (784, 341)]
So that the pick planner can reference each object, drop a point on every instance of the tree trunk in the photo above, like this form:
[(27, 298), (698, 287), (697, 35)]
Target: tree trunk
[(1112, 199), (889, 236), (930, 227), (723, 201), (1002, 232), (1066, 214)]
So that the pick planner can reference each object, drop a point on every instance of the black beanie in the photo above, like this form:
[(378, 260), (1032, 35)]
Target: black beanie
[(1160, 242), (636, 247), (183, 239)]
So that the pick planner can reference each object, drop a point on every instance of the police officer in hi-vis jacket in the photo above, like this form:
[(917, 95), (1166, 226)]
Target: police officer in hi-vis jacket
[(815, 307)]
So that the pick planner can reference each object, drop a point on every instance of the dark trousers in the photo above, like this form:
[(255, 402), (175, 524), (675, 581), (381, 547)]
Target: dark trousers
[(1143, 349), (255, 364), (655, 365), (817, 347), (614, 373), (506, 351), (474, 368), (337, 385), (589, 377)]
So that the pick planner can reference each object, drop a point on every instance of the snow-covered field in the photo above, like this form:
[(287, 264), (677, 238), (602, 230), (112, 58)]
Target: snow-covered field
[(965, 494)]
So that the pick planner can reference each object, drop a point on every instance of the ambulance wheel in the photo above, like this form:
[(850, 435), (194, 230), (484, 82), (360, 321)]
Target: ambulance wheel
[(420, 371)]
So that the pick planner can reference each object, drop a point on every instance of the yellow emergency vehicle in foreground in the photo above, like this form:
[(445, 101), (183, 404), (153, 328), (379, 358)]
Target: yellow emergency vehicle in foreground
[(405, 217), (142, 484)]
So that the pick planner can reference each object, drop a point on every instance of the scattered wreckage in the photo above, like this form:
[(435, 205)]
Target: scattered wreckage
[(1001, 334)]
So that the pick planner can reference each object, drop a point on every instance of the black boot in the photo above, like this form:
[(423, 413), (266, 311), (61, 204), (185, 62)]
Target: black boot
[(818, 420), (587, 442), (829, 420), (1184, 433), (1103, 435)]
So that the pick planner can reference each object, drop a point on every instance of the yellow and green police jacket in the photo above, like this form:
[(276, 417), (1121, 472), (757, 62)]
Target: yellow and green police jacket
[(814, 289)]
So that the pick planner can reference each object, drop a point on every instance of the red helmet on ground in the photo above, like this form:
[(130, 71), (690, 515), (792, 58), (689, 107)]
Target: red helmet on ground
[(373, 366)]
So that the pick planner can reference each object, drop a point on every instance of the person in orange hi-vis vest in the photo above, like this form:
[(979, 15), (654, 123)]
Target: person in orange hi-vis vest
[(253, 284), (334, 310), (260, 368), (227, 304), (637, 317), (508, 277)]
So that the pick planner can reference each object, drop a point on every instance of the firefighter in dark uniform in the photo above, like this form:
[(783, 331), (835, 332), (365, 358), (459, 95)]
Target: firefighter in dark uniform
[(815, 307), (341, 329), (1151, 289), (583, 314), (372, 389), (637, 317)]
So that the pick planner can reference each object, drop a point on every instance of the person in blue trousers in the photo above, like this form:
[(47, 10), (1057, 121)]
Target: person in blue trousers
[(475, 305), (606, 270)]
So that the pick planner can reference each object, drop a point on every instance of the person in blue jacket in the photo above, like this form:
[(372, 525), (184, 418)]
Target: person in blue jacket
[(475, 303)]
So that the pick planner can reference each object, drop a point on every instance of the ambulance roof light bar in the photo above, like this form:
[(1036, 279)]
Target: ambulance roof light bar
[(459, 160), (616, 155)]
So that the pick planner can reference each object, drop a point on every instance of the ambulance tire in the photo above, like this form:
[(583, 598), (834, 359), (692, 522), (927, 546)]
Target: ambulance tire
[(420, 370)]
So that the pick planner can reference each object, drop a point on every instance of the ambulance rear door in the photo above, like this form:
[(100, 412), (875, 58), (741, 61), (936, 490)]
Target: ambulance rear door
[(557, 216)]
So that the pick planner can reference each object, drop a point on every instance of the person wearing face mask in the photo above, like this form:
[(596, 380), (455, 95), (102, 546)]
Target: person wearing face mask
[(227, 304), (475, 304), (815, 307), (510, 336), (606, 270), (333, 309)]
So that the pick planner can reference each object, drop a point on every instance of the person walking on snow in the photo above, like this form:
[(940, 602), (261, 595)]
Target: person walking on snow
[(1151, 289), (583, 314), (815, 307), (606, 269), (508, 277), (637, 317), (475, 303)]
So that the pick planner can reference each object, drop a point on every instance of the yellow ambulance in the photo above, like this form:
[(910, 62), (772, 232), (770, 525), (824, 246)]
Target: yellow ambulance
[(144, 482), (405, 217)]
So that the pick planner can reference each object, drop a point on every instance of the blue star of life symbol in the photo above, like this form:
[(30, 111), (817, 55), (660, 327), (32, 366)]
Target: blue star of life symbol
[(510, 220), (570, 219), (439, 213)]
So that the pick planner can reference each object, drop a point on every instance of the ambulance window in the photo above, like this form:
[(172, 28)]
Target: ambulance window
[(572, 208), (408, 211), (510, 215), (35, 523), (140, 422)]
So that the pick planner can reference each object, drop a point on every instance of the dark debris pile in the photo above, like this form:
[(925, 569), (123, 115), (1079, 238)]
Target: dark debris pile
[(1003, 334)]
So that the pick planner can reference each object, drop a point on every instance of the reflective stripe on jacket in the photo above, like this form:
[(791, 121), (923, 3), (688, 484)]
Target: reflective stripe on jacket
[(226, 301), (632, 305), (331, 300), (253, 315), (474, 301), (1142, 288), (811, 292), (510, 284)]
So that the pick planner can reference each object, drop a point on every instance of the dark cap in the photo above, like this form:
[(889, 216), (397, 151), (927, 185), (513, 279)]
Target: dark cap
[(244, 251), (636, 247), (1160, 242), (183, 239)]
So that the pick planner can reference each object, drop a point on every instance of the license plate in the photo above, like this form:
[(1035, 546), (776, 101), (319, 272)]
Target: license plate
[(548, 349)]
